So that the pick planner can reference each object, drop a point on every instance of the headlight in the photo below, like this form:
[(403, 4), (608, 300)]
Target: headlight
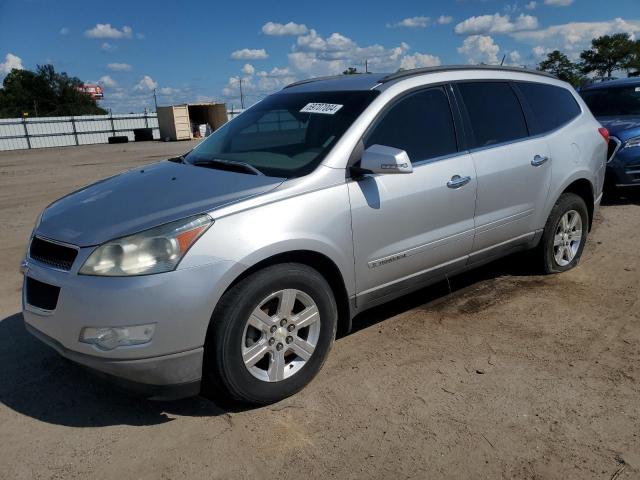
[(152, 251), (632, 142)]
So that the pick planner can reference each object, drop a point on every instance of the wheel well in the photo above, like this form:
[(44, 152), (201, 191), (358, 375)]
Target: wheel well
[(325, 266), (584, 189)]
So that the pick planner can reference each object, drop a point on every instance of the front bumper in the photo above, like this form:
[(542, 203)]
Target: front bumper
[(168, 377), (180, 303)]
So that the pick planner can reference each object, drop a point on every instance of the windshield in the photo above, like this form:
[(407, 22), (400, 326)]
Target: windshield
[(286, 134), (609, 102)]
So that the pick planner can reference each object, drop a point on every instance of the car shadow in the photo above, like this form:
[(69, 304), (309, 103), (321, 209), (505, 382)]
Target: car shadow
[(519, 264), (37, 382), (621, 196)]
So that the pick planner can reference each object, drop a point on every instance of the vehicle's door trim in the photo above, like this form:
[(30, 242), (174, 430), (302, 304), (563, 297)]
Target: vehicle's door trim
[(420, 248)]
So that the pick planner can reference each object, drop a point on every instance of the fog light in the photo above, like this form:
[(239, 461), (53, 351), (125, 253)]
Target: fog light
[(108, 338)]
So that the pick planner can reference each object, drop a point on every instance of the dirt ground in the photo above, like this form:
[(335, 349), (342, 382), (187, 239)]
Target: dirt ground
[(511, 375)]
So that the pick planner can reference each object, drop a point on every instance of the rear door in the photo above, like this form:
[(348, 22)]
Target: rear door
[(513, 169), (410, 228)]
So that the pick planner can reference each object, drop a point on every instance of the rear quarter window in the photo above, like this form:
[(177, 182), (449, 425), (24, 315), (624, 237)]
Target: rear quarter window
[(551, 106)]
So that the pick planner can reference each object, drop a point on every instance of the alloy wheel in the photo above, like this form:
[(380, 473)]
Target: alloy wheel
[(281, 335), (567, 238)]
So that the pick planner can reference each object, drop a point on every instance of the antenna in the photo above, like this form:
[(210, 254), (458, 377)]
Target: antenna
[(503, 57), (241, 95)]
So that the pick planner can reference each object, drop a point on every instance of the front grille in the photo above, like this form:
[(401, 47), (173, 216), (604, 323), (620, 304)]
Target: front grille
[(42, 295), (53, 254)]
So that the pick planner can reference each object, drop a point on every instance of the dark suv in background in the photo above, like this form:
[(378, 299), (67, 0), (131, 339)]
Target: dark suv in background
[(616, 105)]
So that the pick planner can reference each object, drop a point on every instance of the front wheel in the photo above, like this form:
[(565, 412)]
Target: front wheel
[(565, 234), (270, 335)]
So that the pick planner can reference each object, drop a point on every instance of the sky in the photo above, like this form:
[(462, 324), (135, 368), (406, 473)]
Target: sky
[(198, 51)]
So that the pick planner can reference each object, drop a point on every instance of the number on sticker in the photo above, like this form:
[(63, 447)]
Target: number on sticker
[(325, 108)]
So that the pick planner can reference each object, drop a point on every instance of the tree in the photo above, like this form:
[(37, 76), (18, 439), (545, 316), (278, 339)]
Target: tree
[(350, 71), (558, 64), (45, 93), (608, 53), (633, 65)]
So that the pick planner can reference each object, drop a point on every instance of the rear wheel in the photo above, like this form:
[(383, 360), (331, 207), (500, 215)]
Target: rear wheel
[(270, 335), (565, 234)]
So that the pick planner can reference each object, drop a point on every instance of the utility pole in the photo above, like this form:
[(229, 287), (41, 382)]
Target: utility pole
[(155, 100), (241, 95), (366, 65)]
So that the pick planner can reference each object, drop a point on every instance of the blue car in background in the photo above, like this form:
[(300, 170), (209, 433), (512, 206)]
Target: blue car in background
[(616, 105)]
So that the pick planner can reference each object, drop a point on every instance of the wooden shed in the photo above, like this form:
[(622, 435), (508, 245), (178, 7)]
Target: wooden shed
[(176, 121)]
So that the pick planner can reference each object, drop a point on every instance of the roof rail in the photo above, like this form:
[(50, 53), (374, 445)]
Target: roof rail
[(318, 79), (455, 68)]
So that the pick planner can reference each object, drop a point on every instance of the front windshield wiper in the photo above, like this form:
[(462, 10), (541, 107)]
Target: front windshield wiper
[(229, 163)]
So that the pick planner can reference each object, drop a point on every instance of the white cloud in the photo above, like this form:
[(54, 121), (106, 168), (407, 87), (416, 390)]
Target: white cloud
[(496, 24), (119, 67), (275, 72), (479, 49), (146, 84), (107, 47), (514, 57), (250, 54), (168, 91), (531, 5), (11, 61), (444, 19), (418, 60), (248, 69), (539, 52), (576, 36), (64, 31), (411, 22), (558, 3), (279, 29), (314, 55), (107, 81), (105, 30)]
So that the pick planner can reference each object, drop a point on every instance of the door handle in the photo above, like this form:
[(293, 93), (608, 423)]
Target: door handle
[(539, 160), (457, 181)]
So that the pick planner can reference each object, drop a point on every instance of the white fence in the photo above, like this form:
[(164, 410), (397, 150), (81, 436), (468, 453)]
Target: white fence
[(24, 133)]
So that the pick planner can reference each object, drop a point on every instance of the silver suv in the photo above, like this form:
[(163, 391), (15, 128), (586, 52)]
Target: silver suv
[(235, 265)]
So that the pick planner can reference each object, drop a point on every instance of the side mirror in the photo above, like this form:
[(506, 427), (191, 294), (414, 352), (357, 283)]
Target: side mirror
[(384, 160)]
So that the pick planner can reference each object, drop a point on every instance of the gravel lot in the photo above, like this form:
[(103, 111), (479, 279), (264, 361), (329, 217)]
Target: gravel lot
[(511, 375)]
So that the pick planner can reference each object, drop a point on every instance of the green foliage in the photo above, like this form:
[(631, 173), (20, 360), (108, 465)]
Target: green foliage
[(558, 64), (350, 71), (46, 92), (609, 53)]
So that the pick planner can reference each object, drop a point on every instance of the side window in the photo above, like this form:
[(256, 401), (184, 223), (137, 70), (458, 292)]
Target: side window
[(420, 124), (552, 106), (494, 112)]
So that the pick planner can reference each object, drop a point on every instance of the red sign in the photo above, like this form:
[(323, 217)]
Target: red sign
[(95, 91)]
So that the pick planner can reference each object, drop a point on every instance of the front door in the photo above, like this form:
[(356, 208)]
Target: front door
[(410, 228)]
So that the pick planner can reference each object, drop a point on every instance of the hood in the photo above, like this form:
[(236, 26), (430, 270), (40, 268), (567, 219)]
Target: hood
[(623, 127), (143, 198)]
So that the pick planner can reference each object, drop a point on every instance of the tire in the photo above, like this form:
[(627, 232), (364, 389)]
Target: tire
[(559, 250), (262, 297)]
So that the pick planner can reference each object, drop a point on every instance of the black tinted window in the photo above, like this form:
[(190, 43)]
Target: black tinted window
[(494, 111), (614, 101), (552, 106), (420, 124)]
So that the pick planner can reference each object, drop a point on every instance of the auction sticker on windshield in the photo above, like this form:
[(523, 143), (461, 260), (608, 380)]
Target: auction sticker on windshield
[(326, 108)]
